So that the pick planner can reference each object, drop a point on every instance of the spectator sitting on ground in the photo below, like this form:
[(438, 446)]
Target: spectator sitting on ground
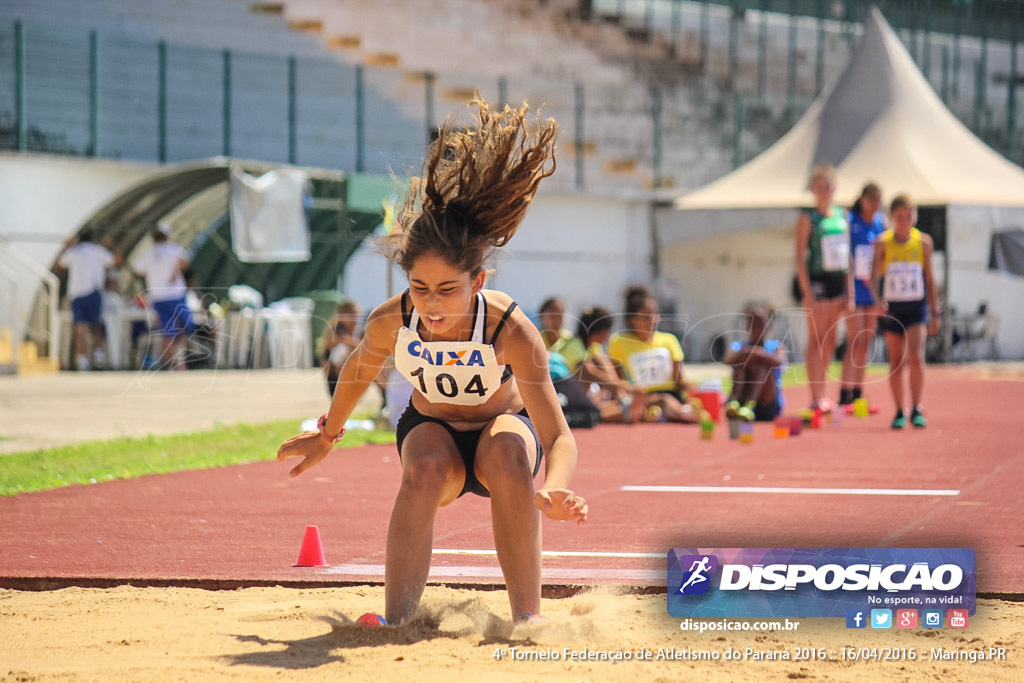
[(650, 359), (618, 400), (757, 366), (552, 319), (577, 402)]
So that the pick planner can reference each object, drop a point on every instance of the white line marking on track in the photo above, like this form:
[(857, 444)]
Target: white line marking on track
[(776, 489), (657, 576), (549, 553)]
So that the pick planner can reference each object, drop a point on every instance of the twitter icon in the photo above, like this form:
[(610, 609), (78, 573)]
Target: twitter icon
[(881, 618)]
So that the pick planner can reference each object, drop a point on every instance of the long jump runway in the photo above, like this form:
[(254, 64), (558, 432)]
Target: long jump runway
[(958, 483)]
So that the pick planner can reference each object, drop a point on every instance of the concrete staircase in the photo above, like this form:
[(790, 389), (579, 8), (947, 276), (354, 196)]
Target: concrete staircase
[(29, 362), (536, 50)]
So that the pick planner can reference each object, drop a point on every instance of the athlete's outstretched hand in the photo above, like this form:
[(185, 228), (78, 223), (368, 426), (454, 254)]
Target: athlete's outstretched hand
[(561, 504), (310, 446)]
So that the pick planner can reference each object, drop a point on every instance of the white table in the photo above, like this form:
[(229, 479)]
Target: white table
[(288, 337)]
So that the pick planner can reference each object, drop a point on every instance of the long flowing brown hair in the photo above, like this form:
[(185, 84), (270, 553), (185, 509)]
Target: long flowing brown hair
[(476, 187)]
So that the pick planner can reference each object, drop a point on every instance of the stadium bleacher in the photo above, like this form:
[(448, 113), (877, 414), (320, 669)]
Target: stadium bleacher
[(653, 95)]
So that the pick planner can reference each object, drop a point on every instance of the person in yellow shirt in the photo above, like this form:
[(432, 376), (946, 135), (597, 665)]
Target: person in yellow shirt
[(650, 359), (903, 284)]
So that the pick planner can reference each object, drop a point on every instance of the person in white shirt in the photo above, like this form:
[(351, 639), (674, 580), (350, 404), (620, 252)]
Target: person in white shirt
[(163, 266), (86, 264)]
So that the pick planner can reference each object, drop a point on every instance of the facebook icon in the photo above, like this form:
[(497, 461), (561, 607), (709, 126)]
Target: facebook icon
[(856, 618)]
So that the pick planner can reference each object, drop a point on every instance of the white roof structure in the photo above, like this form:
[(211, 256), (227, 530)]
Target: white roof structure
[(879, 121)]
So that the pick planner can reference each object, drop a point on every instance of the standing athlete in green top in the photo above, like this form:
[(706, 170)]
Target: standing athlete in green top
[(823, 272)]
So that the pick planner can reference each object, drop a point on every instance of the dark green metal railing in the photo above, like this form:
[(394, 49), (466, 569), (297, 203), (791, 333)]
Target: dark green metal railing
[(132, 104)]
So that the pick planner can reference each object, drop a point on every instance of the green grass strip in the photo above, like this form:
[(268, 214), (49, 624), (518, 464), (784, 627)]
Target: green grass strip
[(126, 458), (795, 374)]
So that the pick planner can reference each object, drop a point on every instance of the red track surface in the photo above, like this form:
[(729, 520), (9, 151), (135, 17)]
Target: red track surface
[(244, 525)]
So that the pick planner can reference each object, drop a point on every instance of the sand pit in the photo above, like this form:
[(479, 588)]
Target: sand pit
[(284, 634)]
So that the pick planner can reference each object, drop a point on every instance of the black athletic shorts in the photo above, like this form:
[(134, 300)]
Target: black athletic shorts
[(828, 286), (766, 412), (903, 314), (465, 443)]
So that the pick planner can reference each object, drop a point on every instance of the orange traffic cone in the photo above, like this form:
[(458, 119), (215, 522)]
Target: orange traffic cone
[(312, 552)]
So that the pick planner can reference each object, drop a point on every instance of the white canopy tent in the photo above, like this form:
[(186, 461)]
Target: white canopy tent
[(732, 240)]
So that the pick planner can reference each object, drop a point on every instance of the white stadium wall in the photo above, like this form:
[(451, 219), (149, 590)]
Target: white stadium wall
[(970, 231), (716, 276), (44, 200), (584, 249)]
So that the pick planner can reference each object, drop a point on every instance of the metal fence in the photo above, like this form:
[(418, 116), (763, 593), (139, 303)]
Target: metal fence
[(744, 76)]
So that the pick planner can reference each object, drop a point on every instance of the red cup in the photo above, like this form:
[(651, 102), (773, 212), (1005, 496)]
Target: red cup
[(711, 402)]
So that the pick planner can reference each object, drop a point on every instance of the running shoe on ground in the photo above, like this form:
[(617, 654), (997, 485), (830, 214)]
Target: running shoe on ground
[(371, 619), (917, 418), (732, 408)]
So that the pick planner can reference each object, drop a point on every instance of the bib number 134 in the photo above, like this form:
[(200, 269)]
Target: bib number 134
[(446, 384)]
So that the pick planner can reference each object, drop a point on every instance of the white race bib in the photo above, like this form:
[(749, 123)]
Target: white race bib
[(459, 373), (835, 252), (651, 367), (863, 257), (904, 281)]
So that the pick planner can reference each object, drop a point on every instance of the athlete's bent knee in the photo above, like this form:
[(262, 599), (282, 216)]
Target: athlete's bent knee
[(429, 472), (504, 456)]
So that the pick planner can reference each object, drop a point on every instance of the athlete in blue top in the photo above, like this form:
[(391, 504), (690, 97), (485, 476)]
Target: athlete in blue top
[(483, 409), (866, 224), (757, 367)]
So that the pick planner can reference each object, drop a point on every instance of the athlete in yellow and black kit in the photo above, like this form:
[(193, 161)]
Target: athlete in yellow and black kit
[(903, 285)]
